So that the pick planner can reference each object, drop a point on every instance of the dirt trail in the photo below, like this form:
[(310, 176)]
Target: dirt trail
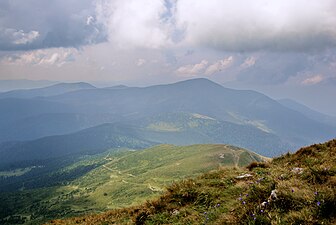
[(112, 170), (236, 156)]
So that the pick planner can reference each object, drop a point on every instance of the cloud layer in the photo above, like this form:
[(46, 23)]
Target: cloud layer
[(244, 25), (135, 23), (37, 24), (240, 25), (50, 57)]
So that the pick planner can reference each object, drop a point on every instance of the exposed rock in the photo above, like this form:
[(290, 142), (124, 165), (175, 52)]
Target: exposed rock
[(273, 195), (247, 175)]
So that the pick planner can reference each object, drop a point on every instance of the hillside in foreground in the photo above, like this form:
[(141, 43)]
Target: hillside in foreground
[(295, 188), (115, 179)]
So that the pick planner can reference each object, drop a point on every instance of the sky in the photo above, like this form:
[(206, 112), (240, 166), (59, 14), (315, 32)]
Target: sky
[(282, 48)]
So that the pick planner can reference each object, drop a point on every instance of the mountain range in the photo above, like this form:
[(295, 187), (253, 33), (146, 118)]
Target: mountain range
[(41, 123), (55, 89), (310, 113), (9, 85)]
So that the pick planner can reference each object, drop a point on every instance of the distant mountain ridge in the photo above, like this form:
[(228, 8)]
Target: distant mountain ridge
[(244, 118), (310, 113), (207, 98), (9, 85), (169, 128), (55, 89), (89, 141)]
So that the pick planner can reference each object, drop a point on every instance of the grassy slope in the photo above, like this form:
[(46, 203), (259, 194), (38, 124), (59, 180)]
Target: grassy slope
[(131, 177), (304, 196), (125, 178)]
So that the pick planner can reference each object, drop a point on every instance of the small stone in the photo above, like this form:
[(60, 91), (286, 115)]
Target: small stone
[(273, 195), (263, 204), (175, 212), (297, 170)]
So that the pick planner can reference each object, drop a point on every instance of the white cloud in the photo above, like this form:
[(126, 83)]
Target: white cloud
[(90, 20), (244, 25), (18, 37), (37, 24), (140, 62), (21, 37), (192, 69), (219, 65), (250, 61), (50, 60), (313, 80), (240, 25), (48, 57), (135, 23)]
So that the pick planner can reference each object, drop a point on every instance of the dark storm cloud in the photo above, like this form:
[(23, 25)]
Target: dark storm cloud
[(35, 24)]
